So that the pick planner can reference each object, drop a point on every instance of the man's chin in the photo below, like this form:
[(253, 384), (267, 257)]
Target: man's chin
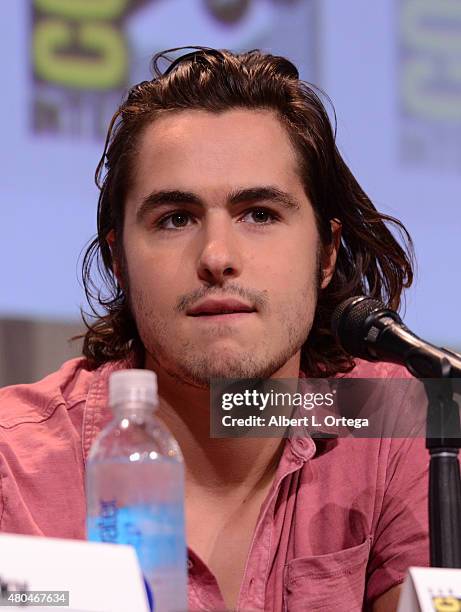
[(201, 375), (202, 369)]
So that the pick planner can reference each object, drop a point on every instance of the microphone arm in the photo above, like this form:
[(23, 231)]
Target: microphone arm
[(399, 345), (366, 328)]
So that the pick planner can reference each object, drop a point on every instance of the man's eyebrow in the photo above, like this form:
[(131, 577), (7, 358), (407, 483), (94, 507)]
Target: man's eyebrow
[(166, 197), (271, 194), (239, 196)]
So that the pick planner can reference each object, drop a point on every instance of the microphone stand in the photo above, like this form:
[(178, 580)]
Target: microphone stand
[(443, 441), (360, 320)]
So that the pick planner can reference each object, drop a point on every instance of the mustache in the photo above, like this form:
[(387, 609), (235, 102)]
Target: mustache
[(257, 299)]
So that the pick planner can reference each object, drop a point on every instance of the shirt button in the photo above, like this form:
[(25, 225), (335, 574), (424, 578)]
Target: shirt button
[(190, 564)]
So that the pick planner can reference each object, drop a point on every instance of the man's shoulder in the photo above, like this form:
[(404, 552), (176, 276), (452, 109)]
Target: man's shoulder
[(35, 401)]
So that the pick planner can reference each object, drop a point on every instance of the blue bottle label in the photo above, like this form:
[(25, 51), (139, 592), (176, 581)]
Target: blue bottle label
[(156, 531)]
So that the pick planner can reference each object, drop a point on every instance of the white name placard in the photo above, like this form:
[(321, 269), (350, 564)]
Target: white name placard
[(97, 577), (431, 589)]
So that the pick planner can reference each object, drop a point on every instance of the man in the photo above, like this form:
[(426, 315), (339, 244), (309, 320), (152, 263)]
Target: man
[(229, 229)]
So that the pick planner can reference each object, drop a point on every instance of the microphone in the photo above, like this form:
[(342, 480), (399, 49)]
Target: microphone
[(366, 328)]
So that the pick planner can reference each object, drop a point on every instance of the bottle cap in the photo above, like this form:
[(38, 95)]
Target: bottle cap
[(128, 386)]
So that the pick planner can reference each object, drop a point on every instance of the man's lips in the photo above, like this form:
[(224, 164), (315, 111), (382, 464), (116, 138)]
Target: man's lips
[(220, 308)]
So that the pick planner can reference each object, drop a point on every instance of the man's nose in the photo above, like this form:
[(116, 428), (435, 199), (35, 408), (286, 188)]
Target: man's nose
[(220, 256)]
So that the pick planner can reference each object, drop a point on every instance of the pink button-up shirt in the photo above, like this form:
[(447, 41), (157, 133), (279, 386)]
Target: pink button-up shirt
[(341, 524)]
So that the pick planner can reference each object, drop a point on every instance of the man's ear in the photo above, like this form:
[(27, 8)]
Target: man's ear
[(111, 241), (330, 253)]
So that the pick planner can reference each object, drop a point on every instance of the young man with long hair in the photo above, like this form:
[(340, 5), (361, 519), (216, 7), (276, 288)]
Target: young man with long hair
[(229, 229)]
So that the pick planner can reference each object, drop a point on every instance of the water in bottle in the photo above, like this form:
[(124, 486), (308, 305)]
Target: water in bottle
[(135, 488)]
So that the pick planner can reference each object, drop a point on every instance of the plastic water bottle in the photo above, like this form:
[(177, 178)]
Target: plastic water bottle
[(135, 488)]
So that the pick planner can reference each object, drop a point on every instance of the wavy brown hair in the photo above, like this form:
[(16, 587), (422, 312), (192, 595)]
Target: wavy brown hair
[(370, 260)]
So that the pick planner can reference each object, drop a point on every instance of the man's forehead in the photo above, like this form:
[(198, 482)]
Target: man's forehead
[(180, 122), (206, 132), (215, 151)]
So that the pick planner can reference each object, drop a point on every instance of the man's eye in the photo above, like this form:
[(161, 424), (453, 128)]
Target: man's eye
[(260, 216), (174, 221)]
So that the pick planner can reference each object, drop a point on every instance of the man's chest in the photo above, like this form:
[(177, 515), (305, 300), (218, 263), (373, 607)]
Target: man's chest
[(222, 540)]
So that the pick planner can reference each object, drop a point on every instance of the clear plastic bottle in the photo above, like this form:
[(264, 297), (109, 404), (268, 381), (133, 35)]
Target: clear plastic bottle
[(135, 488)]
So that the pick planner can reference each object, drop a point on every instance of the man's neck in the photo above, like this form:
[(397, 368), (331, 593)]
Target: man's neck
[(218, 467)]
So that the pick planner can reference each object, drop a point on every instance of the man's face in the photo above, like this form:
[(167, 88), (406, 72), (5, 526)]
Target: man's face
[(221, 246)]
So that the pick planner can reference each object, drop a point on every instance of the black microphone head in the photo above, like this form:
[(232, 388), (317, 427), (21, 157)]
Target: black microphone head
[(351, 323)]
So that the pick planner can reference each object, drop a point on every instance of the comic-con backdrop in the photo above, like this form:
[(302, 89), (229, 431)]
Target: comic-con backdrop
[(391, 67)]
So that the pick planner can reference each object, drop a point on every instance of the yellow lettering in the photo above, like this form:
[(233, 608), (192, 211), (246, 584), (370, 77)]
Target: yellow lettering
[(83, 9), (106, 69), (446, 604)]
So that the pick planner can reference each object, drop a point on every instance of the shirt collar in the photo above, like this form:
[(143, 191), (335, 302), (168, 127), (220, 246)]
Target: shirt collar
[(300, 445), (96, 412)]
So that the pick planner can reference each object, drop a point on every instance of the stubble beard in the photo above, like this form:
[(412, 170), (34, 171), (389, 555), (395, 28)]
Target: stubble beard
[(197, 368), (190, 365)]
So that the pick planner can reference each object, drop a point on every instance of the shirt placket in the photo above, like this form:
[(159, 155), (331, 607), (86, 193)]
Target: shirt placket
[(204, 592), (252, 595)]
